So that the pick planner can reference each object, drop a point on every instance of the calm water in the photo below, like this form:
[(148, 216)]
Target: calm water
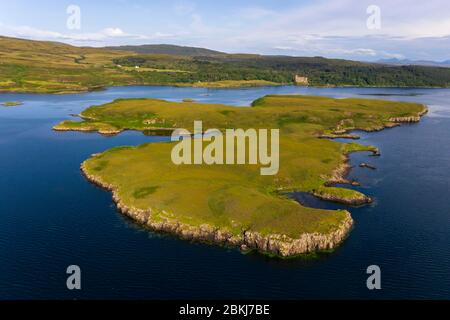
[(51, 217)]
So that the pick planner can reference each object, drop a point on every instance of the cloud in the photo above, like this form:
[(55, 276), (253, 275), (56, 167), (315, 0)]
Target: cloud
[(327, 28), (358, 51), (184, 8), (335, 50), (101, 37), (254, 13), (284, 48), (113, 32)]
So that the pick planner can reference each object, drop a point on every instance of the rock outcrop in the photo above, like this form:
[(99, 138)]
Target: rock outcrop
[(339, 136), (368, 166), (409, 119), (357, 199)]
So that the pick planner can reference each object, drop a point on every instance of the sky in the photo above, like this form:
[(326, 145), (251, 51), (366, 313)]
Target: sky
[(348, 29)]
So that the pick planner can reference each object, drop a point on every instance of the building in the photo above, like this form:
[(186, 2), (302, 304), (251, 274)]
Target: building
[(300, 80)]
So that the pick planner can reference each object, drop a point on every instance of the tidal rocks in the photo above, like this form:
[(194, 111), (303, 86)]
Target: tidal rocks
[(368, 166)]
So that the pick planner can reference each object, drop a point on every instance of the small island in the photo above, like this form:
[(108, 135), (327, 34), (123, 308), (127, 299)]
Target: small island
[(235, 205), (11, 104)]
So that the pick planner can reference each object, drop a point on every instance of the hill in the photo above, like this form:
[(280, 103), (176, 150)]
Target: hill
[(315, 71), (168, 49), (51, 67)]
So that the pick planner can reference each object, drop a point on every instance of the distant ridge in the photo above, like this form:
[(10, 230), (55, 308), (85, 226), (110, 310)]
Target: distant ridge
[(168, 49), (405, 62)]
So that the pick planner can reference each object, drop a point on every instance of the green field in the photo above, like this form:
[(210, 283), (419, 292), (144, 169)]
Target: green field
[(235, 198), (49, 67)]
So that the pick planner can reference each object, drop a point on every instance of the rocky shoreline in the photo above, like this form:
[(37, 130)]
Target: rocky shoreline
[(272, 244), (411, 119), (88, 130)]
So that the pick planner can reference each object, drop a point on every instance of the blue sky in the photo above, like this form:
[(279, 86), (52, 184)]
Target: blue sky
[(337, 28)]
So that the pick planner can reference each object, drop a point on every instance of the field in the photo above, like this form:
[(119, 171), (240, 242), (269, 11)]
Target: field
[(236, 198)]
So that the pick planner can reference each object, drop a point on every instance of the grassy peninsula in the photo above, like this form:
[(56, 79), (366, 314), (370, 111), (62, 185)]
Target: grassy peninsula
[(234, 204), (50, 67)]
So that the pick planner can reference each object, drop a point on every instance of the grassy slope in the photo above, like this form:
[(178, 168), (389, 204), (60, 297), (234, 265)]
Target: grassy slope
[(235, 197), (168, 49), (49, 67)]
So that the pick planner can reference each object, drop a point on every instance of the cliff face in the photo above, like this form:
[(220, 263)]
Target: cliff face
[(274, 244), (410, 119), (106, 132)]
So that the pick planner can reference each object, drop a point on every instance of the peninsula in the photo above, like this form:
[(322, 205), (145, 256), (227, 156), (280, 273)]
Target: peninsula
[(235, 205)]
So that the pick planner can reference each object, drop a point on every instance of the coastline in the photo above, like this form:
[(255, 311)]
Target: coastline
[(272, 244), (342, 171), (175, 85), (193, 85)]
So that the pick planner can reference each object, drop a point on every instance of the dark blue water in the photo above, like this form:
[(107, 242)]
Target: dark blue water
[(51, 217)]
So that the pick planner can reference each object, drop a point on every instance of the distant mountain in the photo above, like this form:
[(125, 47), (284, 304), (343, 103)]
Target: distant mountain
[(168, 49), (404, 62)]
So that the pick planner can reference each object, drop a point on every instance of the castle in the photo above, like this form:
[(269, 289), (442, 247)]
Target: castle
[(301, 81)]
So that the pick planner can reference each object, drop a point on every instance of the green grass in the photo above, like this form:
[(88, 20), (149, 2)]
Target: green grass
[(235, 197)]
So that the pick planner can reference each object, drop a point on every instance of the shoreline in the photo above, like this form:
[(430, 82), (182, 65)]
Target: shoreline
[(192, 85), (273, 244)]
